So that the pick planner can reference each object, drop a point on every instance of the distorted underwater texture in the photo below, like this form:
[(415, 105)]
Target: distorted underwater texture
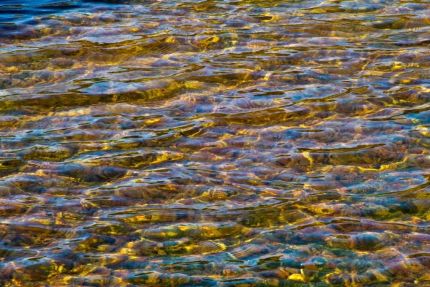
[(215, 143)]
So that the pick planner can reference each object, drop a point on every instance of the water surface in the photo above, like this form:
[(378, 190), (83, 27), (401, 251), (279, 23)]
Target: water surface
[(215, 143)]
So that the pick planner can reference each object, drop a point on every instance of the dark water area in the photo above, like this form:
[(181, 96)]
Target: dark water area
[(16, 14), (215, 143), (15, 11)]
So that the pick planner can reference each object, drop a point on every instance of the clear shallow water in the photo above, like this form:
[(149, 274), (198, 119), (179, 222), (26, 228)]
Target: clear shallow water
[(214, 143)]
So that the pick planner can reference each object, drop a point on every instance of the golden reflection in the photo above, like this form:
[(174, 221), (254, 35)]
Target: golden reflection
[(214, 143)]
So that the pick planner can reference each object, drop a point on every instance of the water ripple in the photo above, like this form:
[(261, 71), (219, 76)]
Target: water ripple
[(214, 143)]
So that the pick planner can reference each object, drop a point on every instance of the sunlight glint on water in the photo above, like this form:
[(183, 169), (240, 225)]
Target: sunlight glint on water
[(215, 143)]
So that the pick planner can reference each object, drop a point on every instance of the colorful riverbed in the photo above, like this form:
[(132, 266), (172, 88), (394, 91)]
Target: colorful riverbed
[(215, 143)]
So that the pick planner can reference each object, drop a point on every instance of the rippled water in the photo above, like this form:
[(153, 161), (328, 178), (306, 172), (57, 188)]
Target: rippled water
[(215, 143)]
